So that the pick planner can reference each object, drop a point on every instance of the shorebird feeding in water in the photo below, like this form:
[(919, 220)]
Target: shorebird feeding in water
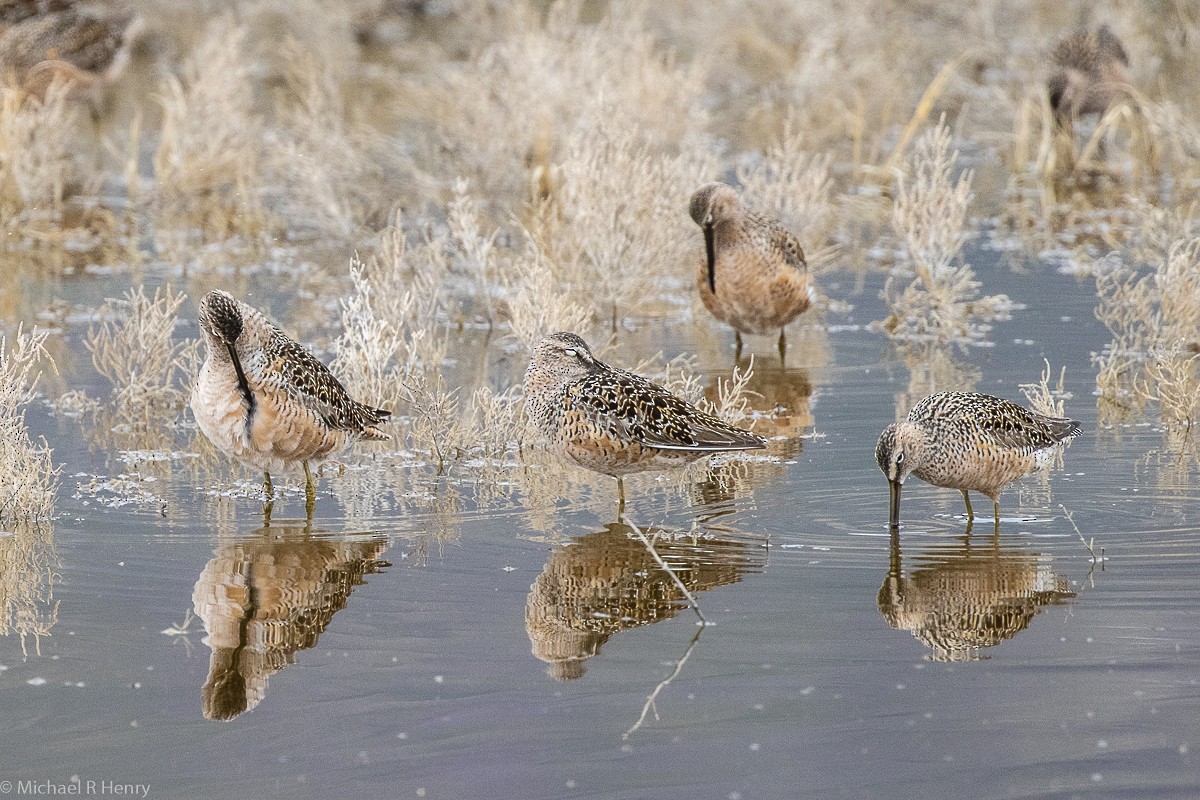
[(1090, 71), (615, 422), (266, 401), (753, 276), (970, 442)]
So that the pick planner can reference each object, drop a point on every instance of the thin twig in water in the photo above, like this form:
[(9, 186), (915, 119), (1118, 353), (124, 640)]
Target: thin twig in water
[(1090, 545), (653, 696), (658, 559)]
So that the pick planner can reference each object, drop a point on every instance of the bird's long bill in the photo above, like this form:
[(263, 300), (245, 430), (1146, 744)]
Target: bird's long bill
[(243, 384), (712, 258), (894, 504)]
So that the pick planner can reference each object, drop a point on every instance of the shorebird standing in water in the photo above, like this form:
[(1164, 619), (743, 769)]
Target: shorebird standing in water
[(266, 401), (615, 422), (970, 442), (1090, 71), (83, 46), (754, 276)]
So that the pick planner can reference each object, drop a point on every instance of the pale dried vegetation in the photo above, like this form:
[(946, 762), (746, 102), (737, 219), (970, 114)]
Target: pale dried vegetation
[(935, 296), (28, 477), (543, 154)]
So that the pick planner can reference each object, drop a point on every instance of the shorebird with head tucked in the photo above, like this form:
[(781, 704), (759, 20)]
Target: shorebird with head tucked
[(970, 442), (615, 422), (753, 276), (1090, 71), (266, 401)]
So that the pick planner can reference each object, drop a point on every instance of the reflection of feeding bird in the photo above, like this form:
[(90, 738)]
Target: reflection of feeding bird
[(614, 422), (959, 599), (754, 276), (1090, 70), (970, 442), (55, 39), (266, 401)]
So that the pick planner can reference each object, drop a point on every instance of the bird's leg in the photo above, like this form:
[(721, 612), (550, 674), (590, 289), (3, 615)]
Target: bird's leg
[(620, 498), (967, 500), (737, 353), (310, 492), (996, 511), (782, 348), (268, 487)]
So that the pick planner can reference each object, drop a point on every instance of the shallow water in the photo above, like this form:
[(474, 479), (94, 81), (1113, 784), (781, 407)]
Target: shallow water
[(507, 649)]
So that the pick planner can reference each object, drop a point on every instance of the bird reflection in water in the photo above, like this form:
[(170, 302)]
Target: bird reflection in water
[(606, 582), (780, 398), (263, 599), (961, 598)]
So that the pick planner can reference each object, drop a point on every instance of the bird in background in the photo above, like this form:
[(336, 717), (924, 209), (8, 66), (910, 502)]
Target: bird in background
[(753, 276), (615, 422), (1091, 69), (264, 400), (81, 44), (968, 441)]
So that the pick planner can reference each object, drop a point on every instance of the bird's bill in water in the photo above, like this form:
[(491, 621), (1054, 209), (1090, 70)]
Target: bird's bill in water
[(894, 503), (709, 246)]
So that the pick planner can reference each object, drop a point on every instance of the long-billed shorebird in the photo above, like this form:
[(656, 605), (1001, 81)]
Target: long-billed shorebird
[(266, 401), (970, 442), (50, 40), (615, 422), (1090, 71), (753, 276)]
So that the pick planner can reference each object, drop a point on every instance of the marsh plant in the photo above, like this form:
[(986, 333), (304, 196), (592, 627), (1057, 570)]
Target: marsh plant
[(39, 157), (134, 348), (939, 300), (1154, 319), (28, 477)]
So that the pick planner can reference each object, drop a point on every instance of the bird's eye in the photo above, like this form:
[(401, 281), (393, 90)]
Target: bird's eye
[(572, 352), (900, 458), (709, 219)]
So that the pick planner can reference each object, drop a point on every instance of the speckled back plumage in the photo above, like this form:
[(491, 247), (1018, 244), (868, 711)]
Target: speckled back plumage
[(758, 271), (284, 406), (1090, 67), (613, 421), (971, 441)]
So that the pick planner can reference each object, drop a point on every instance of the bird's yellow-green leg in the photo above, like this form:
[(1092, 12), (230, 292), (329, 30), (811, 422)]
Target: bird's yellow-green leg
[(620, 498), (782, 346), (737, 337), (310, 492), (996, 511), (268, 487), (967, 500)]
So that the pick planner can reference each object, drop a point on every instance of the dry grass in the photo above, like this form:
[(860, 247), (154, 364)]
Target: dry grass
[(1154, 318), (28, 479), (135, 350), (39, 156), (942, 303)]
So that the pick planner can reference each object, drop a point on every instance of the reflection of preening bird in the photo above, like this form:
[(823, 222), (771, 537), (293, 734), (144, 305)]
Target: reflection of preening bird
[(266, 401), (614, 422), (262, 601), (970, 442), (1090, 70), (57, 39), (959, 599), (606, 582), (753, 276)]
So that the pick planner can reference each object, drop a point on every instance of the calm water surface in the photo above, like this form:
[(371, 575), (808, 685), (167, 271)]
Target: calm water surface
[(491, 653)]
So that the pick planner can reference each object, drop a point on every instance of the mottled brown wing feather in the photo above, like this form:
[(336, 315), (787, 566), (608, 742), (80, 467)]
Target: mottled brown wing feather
[(782, 240), (315, 384), (632, 408), (999, 421)]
